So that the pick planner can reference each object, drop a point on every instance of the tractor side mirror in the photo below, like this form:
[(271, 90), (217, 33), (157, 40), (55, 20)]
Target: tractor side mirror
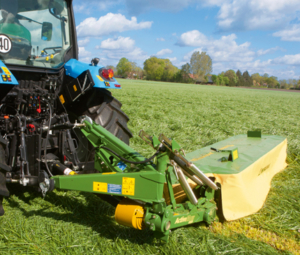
[(46, 31)]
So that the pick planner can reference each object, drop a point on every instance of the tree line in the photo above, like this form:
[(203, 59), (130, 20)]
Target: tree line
[(198, 70)]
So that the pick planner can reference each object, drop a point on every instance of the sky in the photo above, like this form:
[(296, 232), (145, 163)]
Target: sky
[(260, 36)]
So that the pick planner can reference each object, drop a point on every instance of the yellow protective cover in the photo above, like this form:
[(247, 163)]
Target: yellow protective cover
[(245, 193)]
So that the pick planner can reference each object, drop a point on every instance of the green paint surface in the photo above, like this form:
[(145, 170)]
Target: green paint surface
[(249, 150)]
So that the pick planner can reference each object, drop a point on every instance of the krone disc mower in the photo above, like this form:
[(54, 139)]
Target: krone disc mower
[(230, 178)]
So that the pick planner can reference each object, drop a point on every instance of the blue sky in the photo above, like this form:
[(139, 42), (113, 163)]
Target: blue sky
[(261, 36)]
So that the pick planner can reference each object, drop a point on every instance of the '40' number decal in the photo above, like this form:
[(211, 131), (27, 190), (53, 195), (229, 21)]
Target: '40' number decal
[(5, 44)]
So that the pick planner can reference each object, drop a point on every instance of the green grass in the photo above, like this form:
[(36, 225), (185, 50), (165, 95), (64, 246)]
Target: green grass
[(68, 222)]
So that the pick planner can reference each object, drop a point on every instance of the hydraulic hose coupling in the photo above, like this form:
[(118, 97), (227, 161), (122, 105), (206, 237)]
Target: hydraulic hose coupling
[(130, 213)]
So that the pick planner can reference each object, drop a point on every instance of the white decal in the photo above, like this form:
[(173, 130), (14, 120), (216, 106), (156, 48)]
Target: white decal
[(5, 44)]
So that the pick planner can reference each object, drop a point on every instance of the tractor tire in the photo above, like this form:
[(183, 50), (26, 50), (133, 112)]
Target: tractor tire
[(106, 111), (109, 115)]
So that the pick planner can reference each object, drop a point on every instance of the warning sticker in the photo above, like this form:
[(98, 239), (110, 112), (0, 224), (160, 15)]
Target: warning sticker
[(128, 186), (100, 186), (114, 188), (5, 70), (62, 99)]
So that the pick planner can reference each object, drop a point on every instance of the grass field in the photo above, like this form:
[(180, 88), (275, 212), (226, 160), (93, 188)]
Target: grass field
[(68, 222)]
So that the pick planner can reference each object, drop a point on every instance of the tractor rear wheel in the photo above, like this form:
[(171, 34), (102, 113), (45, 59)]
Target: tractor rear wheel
[(106, 111)]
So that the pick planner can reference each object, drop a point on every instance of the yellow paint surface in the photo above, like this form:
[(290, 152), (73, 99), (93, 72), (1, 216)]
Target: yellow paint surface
[(128, 186), (100, 186)]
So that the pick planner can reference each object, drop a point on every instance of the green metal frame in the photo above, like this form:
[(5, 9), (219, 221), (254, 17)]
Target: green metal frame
[(143, 182)]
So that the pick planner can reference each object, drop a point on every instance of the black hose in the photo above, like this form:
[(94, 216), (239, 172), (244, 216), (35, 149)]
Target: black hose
[(128, 161)]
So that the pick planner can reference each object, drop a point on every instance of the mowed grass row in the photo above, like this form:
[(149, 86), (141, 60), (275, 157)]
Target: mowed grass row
[(196, 116)]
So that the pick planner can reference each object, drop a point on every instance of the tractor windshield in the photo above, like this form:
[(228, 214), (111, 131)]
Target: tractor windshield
[(34, 32)]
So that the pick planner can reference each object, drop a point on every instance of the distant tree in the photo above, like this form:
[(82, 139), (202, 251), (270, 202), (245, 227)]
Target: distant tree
[(232, 78), (283, 84), (293, 83), (221, 79), (183, 75), (272, 82), (257, 79), (201, 65), (266, 75), (136, 72), (214, 79), (240, 79), (169, 71), (159, 69), (186, 68), (226, 80), (154, 68), (124, 67), (247, 78)]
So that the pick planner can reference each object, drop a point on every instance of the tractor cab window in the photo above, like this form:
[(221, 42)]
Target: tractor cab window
[(34, 32)]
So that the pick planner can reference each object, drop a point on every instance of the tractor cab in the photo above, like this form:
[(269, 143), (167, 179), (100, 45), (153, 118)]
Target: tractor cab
[(37, 33)]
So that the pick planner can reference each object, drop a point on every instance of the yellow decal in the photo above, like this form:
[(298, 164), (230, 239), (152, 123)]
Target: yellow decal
[(225, 147), (100, 186), (201, 157), (5, 70), (75, 88), (128, 186), (51, 56), (99, 77), (62, 100), (235, 154), (189, 219), (110, 173), (47, 58)]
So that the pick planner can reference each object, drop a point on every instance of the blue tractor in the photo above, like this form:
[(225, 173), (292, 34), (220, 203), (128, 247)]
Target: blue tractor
[(43, 91)]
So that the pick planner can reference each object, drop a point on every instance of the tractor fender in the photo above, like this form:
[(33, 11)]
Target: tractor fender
[(74, 68)]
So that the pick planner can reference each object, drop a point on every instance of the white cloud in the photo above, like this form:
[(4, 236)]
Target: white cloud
[(164, 52), (109, 24), (290, 34), (83, 42), (115, 49), (287, 60), (256, 14), (173, 59), (121, 43), (221, 50), (160, 39), (84, 55), (136, 54), (268, 51)]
